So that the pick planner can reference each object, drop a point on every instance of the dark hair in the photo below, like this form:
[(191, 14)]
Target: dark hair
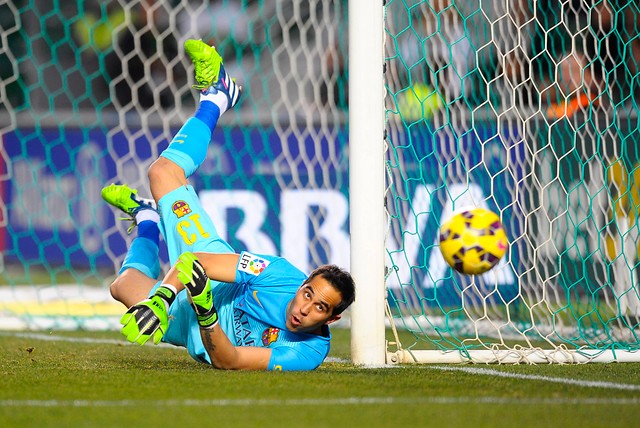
[(341, 280)]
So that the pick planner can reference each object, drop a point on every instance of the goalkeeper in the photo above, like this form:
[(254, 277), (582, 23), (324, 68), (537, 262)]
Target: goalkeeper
[(234, 311)]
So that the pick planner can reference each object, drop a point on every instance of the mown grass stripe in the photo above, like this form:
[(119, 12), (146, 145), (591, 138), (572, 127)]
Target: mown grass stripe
[(470, 370), (346, 401)]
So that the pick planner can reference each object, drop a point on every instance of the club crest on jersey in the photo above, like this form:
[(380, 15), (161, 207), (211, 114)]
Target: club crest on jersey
[(252, 264), (180, 208), (270, 335)]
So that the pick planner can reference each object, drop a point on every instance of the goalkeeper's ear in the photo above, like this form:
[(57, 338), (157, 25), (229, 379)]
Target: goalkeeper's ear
[(333, 319)]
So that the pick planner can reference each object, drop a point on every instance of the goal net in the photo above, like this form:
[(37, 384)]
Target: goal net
[(529, 109), (93, 91)]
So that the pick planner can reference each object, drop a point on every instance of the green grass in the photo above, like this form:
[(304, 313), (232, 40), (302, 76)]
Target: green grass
[(107, 383)]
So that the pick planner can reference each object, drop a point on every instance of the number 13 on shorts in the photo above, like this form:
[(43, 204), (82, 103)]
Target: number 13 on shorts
[(190, 229)]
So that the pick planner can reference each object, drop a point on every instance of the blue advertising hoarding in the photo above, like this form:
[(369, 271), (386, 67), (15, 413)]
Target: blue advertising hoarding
[(57, 217), (266, 195)]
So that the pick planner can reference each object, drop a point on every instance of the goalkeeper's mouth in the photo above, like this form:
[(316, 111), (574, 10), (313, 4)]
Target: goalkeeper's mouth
[(295, 321)]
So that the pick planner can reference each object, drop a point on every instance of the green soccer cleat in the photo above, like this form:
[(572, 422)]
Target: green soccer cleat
[(207, 62), (126, 200), (213, 81)]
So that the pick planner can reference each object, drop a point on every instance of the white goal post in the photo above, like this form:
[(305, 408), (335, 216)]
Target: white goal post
[(366, 180)]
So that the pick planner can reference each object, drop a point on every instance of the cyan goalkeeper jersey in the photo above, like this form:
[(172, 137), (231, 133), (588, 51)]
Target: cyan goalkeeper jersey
[(252, 312)]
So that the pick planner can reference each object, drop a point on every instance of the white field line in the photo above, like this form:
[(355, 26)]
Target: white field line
[(562, 380), (52, 338), (347, 401)]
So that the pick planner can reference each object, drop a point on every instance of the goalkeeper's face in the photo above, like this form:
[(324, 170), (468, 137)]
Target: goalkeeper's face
[(312, 307)]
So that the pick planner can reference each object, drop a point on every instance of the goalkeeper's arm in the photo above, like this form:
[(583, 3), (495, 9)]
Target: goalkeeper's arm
[(224, 355), (190, 274), (148, 319)]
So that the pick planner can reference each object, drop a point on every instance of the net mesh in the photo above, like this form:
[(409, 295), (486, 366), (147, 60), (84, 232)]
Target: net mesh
[(93, 91), (528, 109)]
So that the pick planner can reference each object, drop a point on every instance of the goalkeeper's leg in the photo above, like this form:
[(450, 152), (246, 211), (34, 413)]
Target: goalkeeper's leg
[(141, 266), (188, 149)]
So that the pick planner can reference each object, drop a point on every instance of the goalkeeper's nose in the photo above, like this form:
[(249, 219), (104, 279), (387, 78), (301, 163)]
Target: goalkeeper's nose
[(305, 308)]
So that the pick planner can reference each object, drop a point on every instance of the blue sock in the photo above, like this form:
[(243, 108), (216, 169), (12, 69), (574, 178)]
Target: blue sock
[(209, 113), (150, 230), (188, 149), (143, 254)]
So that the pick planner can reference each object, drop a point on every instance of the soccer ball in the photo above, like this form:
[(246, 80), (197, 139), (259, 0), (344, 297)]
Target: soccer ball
[(473, 241)]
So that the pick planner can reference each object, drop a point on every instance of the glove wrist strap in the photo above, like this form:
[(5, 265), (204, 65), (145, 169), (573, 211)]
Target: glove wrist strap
[(209, 319), (166, 292)]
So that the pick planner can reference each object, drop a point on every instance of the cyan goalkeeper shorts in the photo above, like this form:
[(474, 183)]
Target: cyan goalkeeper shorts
[(187, 227)]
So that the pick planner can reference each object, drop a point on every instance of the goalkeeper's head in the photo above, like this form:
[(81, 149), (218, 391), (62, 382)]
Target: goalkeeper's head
[(341, 280), (320, 300)]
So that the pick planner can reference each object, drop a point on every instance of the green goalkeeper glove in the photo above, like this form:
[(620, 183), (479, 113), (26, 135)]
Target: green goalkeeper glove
[(148, 318), (192, 274)]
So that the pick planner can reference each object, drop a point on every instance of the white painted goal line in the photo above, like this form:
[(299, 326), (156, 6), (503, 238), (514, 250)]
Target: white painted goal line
[(566, 381), (470, 370)]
